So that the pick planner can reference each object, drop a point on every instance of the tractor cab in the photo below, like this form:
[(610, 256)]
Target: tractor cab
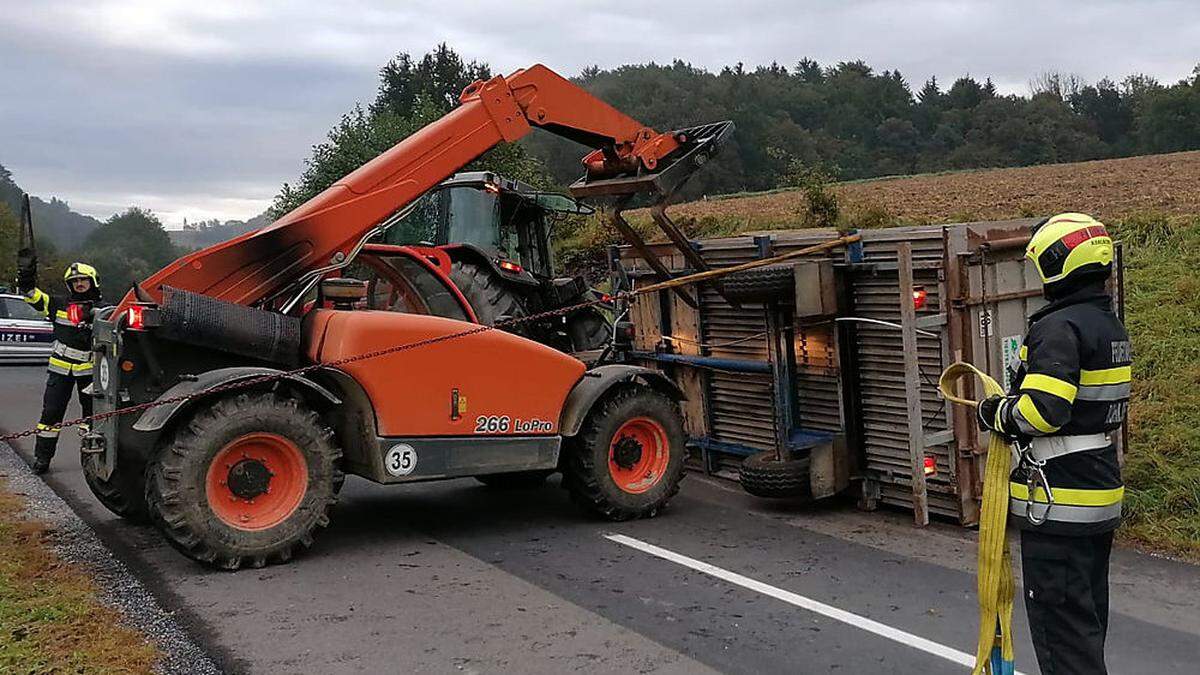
[(491, 236)]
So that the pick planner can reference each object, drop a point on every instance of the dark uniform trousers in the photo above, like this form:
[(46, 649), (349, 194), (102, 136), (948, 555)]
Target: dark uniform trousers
[(54, 408), (1066, 599)]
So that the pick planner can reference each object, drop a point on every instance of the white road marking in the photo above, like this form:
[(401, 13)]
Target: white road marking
[(871, 626)]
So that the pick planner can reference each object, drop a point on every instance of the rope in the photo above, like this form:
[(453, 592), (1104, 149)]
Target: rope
[(994, 654), (508, 323)]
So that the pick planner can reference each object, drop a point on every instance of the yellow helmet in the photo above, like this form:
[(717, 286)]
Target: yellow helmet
[(79, 270), (1070, 245)]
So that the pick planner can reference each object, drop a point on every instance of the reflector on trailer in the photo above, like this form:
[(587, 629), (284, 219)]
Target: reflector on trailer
[(920, 295), (930, 466)]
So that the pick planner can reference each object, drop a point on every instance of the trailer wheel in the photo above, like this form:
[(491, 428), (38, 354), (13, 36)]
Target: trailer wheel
[(123, 493), (516, 480), (245, 481), (627, 460), (774, 282), (763, 475)]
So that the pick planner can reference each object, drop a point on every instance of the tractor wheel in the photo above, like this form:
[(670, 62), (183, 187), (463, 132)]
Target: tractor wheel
[(246, 480), (516, 480), (123, 493), (763, 475), (589, 329), (774, 282), (627, 460), (487, 293)]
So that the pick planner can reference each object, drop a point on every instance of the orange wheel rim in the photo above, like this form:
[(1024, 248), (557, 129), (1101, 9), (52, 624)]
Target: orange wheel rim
[(256, 481), (638, 455)]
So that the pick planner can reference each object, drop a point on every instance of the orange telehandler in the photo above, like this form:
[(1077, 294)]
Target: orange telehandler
[(238, 458)]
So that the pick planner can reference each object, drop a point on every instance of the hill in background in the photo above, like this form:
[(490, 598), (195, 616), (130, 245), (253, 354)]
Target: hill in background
[(54, 220)]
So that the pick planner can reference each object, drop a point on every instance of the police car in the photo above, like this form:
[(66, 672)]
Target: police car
[(25, 335)]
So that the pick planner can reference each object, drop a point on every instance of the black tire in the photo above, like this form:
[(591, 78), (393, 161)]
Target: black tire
[(774, 282), (123, 493), (762, 475), (486, 293), (516, 480), (178, 498), (589, 329), (586, 473)]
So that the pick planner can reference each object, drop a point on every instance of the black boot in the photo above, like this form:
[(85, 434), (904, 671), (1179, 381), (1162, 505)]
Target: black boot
[(41, 463), (43, 452)]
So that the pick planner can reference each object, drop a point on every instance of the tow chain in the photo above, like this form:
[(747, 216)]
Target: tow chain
[(499, 325)]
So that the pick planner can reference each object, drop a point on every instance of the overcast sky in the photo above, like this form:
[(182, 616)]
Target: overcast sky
[(201, 108)]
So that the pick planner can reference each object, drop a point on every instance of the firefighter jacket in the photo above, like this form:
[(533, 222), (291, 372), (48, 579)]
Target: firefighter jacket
[(72, 319), (1070, 396)]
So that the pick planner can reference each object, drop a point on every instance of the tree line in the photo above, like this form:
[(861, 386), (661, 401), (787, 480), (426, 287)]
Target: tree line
[(847, 121)]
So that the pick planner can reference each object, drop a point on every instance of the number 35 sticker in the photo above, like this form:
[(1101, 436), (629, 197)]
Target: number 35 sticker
[(400, 460)]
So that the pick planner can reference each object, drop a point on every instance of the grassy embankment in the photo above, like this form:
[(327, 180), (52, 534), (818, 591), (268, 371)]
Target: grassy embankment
[(51, 620), (1151, 203)]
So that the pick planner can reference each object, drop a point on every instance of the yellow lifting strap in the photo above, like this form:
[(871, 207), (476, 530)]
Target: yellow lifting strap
[(994, 654)]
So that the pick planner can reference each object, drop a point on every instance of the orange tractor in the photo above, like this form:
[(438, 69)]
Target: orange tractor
[(253, 375)]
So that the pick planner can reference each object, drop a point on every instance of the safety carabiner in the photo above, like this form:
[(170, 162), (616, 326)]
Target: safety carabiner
[(1035, 475)]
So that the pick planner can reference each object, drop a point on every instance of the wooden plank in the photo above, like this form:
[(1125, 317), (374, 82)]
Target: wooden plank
[(685, 326), (647, 329), (912, 385)]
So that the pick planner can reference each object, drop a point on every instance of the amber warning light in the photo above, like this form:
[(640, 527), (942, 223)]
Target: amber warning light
[(920, 295)]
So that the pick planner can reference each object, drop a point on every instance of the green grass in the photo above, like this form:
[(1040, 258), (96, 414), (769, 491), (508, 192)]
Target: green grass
[(1162, 467), (50, 618)]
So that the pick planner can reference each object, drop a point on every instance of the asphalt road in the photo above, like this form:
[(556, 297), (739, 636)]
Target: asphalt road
[(457, 577)]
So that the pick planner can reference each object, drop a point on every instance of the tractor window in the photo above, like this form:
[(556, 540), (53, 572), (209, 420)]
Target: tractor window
[(421, 226), (475, 217)]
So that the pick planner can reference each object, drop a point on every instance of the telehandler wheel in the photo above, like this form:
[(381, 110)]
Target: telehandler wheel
[(246, 480), (774, 282), (516, 480), (763, 475), (123, 493), (487, 294), (627, 460)]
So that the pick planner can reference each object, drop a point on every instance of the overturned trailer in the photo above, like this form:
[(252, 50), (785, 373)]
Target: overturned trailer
[(845, 371)]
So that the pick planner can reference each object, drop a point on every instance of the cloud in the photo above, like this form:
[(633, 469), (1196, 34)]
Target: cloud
[(201, 109)]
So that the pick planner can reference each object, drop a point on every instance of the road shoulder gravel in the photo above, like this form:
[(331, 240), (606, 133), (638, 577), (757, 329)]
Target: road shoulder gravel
[(76, 543)]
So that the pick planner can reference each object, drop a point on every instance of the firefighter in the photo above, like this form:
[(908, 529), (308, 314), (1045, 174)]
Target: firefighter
[(70, 364), (1070, 394)]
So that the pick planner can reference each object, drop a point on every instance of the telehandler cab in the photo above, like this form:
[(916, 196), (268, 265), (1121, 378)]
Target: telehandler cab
[(245, 365)]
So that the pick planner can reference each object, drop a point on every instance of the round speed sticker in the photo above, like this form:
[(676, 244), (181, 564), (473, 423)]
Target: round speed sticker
[(400, 460), (104, 374)]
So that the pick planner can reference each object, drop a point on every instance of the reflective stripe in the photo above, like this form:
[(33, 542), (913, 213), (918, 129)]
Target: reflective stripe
[(59, 349), (59, 366), (1103, 392), (1069, 496), (47, 431), (1064, 513), (1118, 375), (39, 300), (1027, 411), (1024, 353), (1050, 385), (64, 367)]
